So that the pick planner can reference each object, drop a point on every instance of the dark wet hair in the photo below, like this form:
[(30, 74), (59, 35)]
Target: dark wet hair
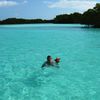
[(48, 56), (57, 59)]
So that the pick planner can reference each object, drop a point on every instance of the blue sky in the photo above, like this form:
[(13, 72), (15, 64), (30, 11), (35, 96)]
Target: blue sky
[(45, 9)]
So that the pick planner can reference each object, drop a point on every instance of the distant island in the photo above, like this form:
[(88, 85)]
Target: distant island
[(91, 18)]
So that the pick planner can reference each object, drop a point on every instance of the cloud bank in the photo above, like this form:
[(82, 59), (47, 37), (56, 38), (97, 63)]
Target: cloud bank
[(5, 3), (73, 4)]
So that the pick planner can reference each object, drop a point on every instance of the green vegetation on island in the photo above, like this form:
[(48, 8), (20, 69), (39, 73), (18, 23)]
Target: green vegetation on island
[(68, 18), (91, 17), (21, 21)]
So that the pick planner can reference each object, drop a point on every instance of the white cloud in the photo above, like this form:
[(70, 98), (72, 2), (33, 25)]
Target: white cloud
[(5, 3), (73, 4)]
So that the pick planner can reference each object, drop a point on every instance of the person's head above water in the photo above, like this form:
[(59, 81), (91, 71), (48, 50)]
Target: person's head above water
[(57, 60), (49, 58)]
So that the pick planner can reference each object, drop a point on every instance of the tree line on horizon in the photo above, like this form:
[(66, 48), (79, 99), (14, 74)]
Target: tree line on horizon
[(91, 17)]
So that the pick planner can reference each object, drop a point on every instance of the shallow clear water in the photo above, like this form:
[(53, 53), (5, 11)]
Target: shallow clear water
[(23, 49)]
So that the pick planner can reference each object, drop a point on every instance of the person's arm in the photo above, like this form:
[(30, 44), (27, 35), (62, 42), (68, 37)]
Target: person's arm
[(53, 63), (56, 65), (43, 65)]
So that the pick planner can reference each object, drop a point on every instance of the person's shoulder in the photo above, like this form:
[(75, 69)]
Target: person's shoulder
[(44, 64)]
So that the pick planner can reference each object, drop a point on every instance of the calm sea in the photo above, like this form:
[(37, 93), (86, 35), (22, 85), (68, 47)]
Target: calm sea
[(24, 48)]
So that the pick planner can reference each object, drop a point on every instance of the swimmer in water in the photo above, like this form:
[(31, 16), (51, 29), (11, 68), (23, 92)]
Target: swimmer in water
[(57, 60), (48, 63)]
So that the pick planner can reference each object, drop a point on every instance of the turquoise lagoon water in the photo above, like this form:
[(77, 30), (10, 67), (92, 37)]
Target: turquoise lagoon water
[(23, 49)]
